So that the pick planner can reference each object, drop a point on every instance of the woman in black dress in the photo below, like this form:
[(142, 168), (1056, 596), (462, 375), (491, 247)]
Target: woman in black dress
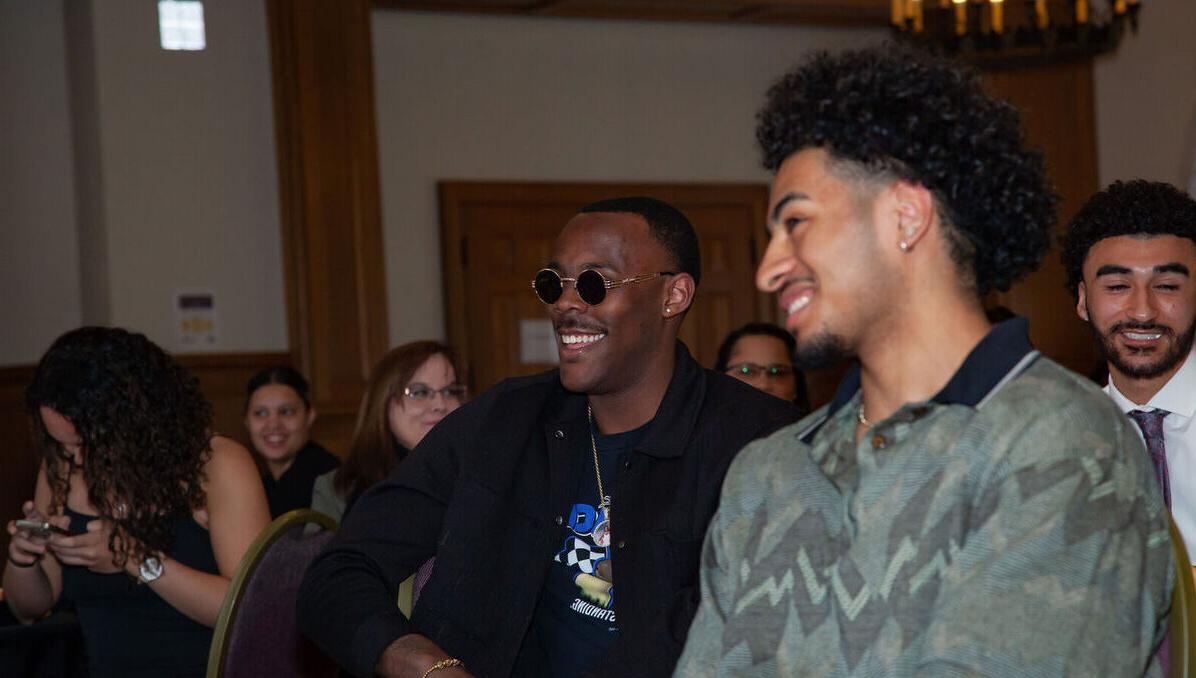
[(151, 512)]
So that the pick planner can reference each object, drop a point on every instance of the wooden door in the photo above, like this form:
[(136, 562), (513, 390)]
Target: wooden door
[(1056, 102), (497, 235)]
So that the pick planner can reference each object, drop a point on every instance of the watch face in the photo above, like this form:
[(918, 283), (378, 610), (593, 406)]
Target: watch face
[(151, 569)]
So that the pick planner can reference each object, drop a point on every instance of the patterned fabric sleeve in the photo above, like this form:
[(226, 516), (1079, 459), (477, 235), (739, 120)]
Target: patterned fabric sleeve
[(704, 651), (1060, 576)]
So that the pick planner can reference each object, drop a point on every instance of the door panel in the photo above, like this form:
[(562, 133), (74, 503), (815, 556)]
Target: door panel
[(496, 236)]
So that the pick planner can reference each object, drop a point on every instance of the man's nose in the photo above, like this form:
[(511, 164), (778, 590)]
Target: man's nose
[(776, 264), (1142, 306)]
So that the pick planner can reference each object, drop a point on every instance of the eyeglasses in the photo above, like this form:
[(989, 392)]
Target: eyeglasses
[(423, 392), (591, 285), (774, 371)]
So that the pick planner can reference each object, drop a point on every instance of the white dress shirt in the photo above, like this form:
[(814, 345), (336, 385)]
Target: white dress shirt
[(1178, 396)]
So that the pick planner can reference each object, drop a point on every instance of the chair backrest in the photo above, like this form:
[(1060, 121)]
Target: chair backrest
[(257, 633), (1182, 629)]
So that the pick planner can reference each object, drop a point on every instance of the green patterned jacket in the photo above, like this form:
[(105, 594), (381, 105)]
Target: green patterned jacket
[(1010, 526)]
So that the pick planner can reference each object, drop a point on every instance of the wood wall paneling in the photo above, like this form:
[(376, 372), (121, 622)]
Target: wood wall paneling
[(18, 459), (330, 207), (1058, 116), (823, 12)]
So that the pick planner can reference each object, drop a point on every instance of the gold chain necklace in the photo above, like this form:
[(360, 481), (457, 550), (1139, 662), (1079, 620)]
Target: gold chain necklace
[(601, 531), (859, 415)]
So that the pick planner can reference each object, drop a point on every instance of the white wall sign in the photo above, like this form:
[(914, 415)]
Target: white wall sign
[(537, 342), (196, 325)]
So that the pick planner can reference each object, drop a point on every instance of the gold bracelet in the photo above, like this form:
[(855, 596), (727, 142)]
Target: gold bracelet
[(443, 664)]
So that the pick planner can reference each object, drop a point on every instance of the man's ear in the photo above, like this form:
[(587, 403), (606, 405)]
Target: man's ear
[(311, 414), (1082, 302), (914, 205), (680, 296)]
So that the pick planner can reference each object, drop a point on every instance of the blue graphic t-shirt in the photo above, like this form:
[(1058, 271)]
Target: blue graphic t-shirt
[(575, 618)]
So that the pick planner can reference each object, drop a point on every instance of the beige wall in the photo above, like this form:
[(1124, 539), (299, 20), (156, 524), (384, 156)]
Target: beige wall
[(471, 97), (162, 164), (39, 248), (1146, 98), (173, 154)]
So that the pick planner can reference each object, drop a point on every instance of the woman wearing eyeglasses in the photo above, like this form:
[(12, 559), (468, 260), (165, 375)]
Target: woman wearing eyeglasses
[(279, 415), (761, 354), (411, 389)]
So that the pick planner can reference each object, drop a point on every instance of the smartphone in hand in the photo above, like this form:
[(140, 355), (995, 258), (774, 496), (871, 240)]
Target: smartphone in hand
[(40, 528)]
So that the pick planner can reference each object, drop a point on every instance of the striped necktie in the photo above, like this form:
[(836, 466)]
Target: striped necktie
[(1151, 424)]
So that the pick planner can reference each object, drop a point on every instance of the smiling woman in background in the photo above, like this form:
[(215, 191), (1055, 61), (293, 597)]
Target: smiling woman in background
[(279, 415), (151, 512), (411, 389)]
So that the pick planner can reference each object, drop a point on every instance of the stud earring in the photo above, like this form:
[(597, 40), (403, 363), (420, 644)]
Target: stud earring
[(668, 310), (903, 245)]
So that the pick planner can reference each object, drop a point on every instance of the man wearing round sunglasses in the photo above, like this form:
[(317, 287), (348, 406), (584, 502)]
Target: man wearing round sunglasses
[(565, 510)]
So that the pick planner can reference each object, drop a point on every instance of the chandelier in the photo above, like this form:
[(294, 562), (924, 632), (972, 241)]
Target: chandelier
[(1015, 30)]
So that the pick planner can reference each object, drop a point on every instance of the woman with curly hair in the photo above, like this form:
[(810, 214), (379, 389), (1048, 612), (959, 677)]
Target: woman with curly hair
[(149, 513), (411, 388)]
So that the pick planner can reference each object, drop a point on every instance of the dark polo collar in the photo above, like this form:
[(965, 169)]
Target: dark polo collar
[(675, 419), (1002, 354)]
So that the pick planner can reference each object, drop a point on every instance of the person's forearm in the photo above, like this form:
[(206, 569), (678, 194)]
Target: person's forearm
[(410, 656), (28, 591), (198, 595)]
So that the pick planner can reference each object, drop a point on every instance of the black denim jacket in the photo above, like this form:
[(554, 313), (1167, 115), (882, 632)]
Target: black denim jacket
[(484, 492)]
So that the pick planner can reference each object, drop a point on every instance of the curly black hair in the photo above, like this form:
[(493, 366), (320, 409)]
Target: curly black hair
[(1135, 207), (144, 427), (900, 113)]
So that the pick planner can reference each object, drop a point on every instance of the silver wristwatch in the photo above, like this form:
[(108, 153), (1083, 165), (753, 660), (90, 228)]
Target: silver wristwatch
[(151, 568)]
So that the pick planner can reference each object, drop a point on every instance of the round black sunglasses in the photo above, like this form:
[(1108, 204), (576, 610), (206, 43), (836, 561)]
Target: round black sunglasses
[(591, 285)]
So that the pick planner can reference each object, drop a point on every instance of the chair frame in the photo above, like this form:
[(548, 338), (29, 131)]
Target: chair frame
[(253, 556), (1183, 610)]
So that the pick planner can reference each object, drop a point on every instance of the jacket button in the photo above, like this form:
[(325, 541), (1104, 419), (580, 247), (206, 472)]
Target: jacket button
[(878, 442), (622, 544), (560, 435), (627, 464), (560, 520)]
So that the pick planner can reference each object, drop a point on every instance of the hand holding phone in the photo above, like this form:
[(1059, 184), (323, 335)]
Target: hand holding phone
[(40, 528), (29, 534)]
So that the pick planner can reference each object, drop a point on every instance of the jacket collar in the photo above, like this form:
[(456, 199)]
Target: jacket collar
[(1001, 355), (670, 428)]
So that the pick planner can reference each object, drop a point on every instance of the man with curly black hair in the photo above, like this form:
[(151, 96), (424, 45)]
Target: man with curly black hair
[(963, 505), (1130, 254)]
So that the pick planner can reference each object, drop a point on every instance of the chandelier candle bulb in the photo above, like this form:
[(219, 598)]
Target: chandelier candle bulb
[(1041, 18), (898, 11), (1081, 11), (1119, 7), (918, 26), (997, 8), (961, 17)]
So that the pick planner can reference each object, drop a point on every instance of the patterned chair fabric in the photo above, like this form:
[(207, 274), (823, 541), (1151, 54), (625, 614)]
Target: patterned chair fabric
[(257, 633)]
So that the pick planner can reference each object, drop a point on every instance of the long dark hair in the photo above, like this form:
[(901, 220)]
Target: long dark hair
[(144, 428), (374, 451)]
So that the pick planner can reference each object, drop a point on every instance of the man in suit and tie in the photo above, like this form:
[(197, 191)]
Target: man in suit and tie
[(1130, 254)]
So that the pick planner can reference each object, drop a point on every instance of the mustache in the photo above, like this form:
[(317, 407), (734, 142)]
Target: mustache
[(1131, 326), (567, 324)]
